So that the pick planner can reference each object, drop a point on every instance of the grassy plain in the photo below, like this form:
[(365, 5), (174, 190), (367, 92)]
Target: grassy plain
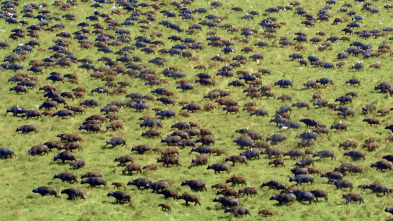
[(23, 173)]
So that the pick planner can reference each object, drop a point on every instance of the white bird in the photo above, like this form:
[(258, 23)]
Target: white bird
[(284, 127), (247, 128), (340, 121), (349, 139), (258, 61), (114, 6), (251, 69), (309, 130)]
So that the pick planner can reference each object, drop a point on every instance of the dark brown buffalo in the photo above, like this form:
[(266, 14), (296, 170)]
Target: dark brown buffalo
[(71, 146), (371, 146), (74, 193), (120, 196), (277, 162), (169, 160), (78, 164), (284, 198), (66, 177), (266, 213), (236, 158), (63, 113), (382, 165), (65, 156), (295, 153), (236, 180), (132, 167), (219, 167), (95, 181), (228, 192), (220, 186), (190, 198), (91, 127), (340, 184), (151, 167), (6, 152), (227, 202), (200, 160), (353, 197), (38, 150), (115, 125), (124, 159), (112, 117), (33, 113), (314, 171), (27, 129), (92, 174), (348, 143), (116, 141), (78, 109), (249, 191), (195, 184), (68, 137), (45, 190), (371, 121), (158, 186), (171, 140), (142, 148), (168, 193), (141, 182), (119, 184)]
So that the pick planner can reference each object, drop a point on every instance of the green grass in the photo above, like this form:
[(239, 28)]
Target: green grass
[(23, 173)]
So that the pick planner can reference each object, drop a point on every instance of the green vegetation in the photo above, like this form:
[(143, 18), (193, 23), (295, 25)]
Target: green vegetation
[(22, 173)]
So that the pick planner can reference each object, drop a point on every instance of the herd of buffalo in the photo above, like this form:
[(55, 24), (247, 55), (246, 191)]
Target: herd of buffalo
[(101, 32)]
